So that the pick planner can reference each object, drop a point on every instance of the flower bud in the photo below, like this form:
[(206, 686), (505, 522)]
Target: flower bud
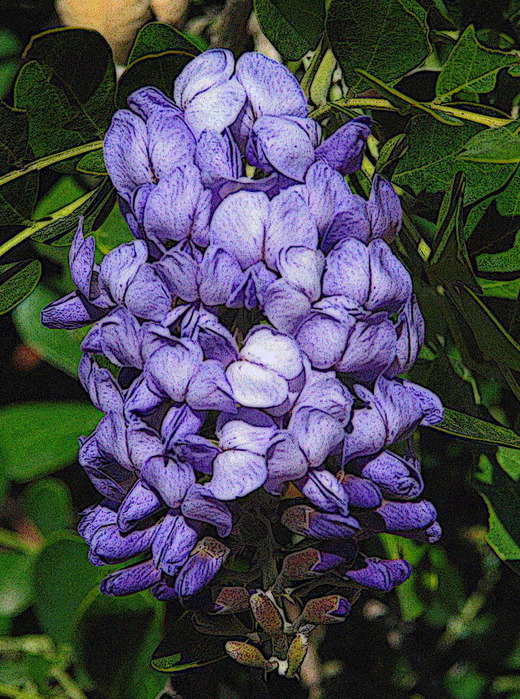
[(306, 521), (325, 610), (231, 600), (266, 613), (305, 564), (296, 653), (247, 654)]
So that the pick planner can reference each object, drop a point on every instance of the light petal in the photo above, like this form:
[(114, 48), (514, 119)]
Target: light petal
[(317, 434), (302, 268), (125, 151), (215, 108), (271, 88), (290, 223), (174, 539), (285, 306), (209, 68), (236, 474), (256, 387), (274, 350), (238, 226)]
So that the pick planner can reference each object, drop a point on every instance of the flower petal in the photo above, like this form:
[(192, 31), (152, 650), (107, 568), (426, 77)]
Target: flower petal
[(236, 474)]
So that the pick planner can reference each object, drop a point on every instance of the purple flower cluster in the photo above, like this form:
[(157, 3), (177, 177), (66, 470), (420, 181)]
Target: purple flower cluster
[(256, 324)]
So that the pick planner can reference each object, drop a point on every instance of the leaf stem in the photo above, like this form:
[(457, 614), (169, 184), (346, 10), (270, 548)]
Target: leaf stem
[(371, 103), (35, 226), (49, 160)]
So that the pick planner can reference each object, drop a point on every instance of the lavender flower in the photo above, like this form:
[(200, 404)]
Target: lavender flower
[(257, 328)]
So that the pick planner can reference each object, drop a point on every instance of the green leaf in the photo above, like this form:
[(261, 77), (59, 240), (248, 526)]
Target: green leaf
[(501, 492), (10, 48), (61, 348), (500, 289), (59, 227), (39, 438), (409, 600), (468, 427), (391, 152), (67, 88), (493, 340), (449, 260), (49, 505), (500, 145), (431, 161), (115, 639), (92, 163), (63, 577), (157, 70), (506, 261), (184, 648), (158, 37), (17, 281), (292, 26), (382, 37), (471, 67), (15, 582)]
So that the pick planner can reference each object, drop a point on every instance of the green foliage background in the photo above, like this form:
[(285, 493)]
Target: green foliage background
[(441, 81)]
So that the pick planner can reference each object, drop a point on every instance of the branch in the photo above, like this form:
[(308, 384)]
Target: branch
[(230, 30)]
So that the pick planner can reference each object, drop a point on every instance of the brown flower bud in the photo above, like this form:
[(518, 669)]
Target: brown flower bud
[(325, 610), (296, 653), (308, 563), (266, 613), (231, 600), (247, 654)]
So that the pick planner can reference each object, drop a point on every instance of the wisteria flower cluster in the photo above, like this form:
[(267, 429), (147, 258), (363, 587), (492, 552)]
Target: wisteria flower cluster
[(257, 325)]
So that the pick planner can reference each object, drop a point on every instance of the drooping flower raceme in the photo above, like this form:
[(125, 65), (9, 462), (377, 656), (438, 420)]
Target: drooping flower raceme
[(257, 327)]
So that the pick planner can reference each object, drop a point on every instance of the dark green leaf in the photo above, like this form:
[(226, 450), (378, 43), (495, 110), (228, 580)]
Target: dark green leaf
[(384, 37), (500, 489), (118, 657), (61, 348), (158, 37), (63, 578), (506, 261), (493, 340), (431, 161), (17, 281), (158, 70), (184, 648), (292, 26), (471, 67), (49, 505), (15, 582), (468, 427), (67, 88), (39, 438)]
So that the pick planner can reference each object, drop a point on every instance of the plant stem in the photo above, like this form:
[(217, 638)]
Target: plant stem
[(14, 693), (371, 103), (70, 688), (49, 160), (38, 225)]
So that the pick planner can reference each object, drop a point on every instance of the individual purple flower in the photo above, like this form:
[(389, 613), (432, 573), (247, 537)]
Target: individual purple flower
[(124, 278), (391, 413), (269, 372)]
